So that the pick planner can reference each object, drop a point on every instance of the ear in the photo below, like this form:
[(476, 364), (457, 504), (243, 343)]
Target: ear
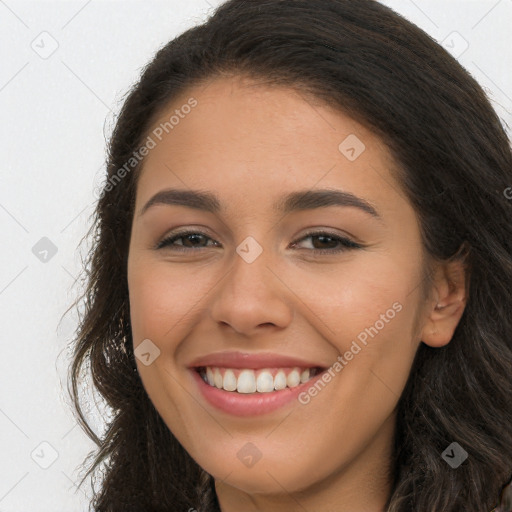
[(451, 286)]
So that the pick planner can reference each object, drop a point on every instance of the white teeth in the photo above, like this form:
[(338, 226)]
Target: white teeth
[(246, 382), (217, 378), (280, 380), (251, 381), (304, 376), (265, 382), (230, 381), (293, 379)]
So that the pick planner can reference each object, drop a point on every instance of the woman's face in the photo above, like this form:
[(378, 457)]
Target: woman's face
[(263, 277)]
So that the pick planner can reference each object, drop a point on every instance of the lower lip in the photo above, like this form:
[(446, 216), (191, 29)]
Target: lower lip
[(250, 404)]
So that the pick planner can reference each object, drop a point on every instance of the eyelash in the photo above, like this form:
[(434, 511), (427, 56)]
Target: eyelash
[(346, 243)]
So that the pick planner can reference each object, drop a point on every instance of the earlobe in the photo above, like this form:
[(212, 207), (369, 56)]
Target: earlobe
[(450, 296)]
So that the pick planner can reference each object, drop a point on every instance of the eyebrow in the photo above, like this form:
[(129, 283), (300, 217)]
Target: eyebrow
[(295, 201)]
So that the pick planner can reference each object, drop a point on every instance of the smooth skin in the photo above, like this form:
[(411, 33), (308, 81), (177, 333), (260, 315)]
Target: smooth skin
[(250, 144)]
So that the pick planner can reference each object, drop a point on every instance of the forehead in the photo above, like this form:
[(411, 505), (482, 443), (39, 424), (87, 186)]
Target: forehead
[(247, 139)]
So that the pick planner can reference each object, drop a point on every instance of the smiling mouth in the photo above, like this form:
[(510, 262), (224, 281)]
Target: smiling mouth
[(265, 380)]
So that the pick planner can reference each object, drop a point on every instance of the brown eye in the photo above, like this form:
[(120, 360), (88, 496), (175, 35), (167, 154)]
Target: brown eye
[(190, 241), (326, 241)]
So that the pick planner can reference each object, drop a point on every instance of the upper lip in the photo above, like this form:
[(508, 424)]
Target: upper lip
[(253, 361)]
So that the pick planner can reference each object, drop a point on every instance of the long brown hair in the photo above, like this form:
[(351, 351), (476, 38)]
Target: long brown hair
[(455, 165)]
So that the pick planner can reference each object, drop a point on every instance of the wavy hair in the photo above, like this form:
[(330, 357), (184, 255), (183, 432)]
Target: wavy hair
[(454, 164)]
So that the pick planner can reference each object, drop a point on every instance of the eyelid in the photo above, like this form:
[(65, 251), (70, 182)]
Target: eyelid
[(328, 231), (175, 235), (347, 242)]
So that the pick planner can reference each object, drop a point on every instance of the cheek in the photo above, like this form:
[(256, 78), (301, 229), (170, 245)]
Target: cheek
[(374, 323), (162, 298), (363, 293), (366, 310)]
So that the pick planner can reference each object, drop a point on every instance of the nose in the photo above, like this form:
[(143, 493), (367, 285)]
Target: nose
[(251, 297)]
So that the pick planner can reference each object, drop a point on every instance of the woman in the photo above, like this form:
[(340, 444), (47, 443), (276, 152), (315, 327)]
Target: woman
[(299, 291)]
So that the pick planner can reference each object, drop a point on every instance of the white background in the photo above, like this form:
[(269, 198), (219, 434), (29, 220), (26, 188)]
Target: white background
[(55, 115)]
